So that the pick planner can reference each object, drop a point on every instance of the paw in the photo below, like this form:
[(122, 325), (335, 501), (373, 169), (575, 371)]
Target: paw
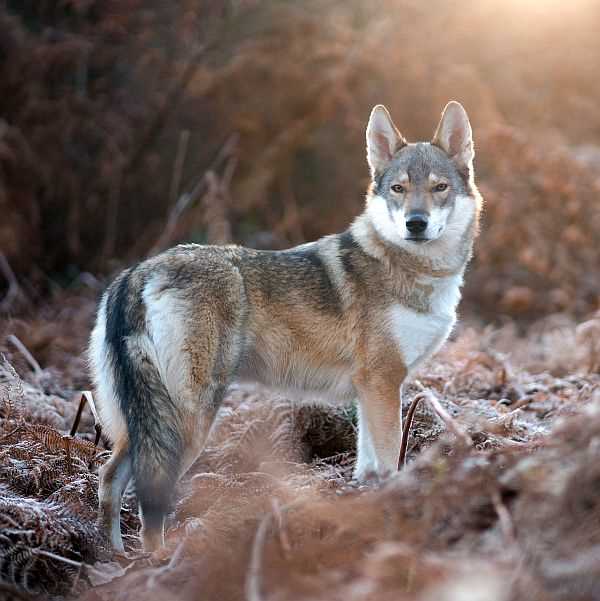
[(370, 475), (153, 539), (160, 556), (363, 476)]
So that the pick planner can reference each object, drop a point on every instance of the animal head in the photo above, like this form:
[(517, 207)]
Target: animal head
[(419, 191)]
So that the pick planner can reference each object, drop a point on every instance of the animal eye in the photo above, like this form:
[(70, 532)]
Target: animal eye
[(441, 187), (398, 189)]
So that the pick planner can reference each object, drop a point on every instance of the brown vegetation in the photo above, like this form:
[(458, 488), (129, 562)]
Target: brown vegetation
[(268, 511)]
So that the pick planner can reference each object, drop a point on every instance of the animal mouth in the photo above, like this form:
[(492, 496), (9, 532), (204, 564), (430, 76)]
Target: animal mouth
[(418, 239)]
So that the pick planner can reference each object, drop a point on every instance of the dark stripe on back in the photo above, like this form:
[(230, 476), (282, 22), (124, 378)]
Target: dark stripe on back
[(347, 247), (308, 260)]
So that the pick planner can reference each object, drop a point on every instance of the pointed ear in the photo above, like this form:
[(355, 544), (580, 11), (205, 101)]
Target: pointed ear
[(383, 140), (454, 136)]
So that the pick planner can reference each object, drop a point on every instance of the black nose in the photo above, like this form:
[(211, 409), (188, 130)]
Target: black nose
[(416, 223)]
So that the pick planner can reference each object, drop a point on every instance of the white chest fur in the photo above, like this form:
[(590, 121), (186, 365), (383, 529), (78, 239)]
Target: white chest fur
[(419, 335)]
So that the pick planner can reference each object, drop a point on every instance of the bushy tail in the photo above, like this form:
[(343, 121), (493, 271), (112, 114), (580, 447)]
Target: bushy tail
[(153, 422)]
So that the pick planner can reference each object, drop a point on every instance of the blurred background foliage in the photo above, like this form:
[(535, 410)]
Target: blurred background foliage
[(130, 125)]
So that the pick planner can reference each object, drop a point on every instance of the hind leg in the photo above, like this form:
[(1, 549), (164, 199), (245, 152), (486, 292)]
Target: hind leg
[(200, 423), (114, 477), (194, 345), (152, 515), (156, 496)]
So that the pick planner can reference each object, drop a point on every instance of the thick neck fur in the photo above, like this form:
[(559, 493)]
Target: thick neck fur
[(443, 257)]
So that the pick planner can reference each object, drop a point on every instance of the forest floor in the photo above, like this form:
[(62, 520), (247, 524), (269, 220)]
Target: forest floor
[(500, 501)]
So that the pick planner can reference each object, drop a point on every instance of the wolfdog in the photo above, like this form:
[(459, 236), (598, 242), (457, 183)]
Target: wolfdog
[(346, 317)]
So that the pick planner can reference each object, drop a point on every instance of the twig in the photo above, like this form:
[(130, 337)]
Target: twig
[(14, 290), (35, 366), (283, 536), (217, 227), (71, 562), (187, 198), (216, 202), (253, 580), (89, 397), (184, 138), (86, 397), (98, 429), (75, 426), (449, 421), (129, 164), (112, 212), (229, 170), (11, 433), (170, 104), (406, 430), (506, 523)]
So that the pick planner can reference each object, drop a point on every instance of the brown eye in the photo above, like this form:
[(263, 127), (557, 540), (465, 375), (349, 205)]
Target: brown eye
[(441, 187), (398, 189)]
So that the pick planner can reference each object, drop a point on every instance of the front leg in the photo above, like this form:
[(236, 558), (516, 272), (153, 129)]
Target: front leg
[(379, 416)]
